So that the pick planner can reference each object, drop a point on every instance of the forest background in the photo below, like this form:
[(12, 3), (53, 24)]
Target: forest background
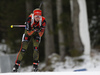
[(60, 36)]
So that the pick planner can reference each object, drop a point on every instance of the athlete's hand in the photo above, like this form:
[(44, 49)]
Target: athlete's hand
[(40, 34), (30, 32)]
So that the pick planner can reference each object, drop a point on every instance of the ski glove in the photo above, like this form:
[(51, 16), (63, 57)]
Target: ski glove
[(30, 32), (40, 34)]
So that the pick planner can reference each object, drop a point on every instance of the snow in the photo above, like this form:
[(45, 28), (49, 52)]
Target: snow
[(1, 53), (90, 63), (3, 47), (53, 73)]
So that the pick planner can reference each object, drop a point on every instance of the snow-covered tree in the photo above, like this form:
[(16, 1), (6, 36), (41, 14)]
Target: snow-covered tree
[(75, 11), (83, 24), (80, 25)]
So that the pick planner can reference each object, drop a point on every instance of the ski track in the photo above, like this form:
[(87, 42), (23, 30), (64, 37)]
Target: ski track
[(53, 73)]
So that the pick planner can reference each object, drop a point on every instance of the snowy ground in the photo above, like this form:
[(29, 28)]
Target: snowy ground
[(53, 73), (90, 63)]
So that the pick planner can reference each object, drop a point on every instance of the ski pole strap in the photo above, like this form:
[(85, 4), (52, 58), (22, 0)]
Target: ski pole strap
[(35, 63), (17, 64)]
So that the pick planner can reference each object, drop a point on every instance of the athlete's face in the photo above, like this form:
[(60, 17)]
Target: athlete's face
[(37, 18)]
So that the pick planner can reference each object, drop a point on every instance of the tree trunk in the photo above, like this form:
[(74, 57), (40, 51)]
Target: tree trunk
[(84, 32), (75, 21), (29, 7), (49, 37), (60, 33)]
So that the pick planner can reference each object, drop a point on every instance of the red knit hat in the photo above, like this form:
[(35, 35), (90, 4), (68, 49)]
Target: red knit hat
[(37, 12)]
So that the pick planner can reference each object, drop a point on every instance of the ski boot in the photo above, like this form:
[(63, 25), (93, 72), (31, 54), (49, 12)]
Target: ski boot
[(16, 66), (35, 67)]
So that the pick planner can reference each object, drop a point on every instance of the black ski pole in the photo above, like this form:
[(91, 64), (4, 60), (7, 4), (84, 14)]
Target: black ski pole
[(40, 4)]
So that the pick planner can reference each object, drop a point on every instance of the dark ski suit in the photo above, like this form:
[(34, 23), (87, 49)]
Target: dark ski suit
[(33, 32)]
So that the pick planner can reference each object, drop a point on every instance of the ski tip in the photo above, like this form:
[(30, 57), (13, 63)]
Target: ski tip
[(11, 26)]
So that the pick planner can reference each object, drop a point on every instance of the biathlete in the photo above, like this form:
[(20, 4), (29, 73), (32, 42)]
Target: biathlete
[(35, 26)]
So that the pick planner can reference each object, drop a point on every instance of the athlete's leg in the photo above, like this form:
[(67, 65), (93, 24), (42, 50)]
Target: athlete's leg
[(24, 45), (36, 42)]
